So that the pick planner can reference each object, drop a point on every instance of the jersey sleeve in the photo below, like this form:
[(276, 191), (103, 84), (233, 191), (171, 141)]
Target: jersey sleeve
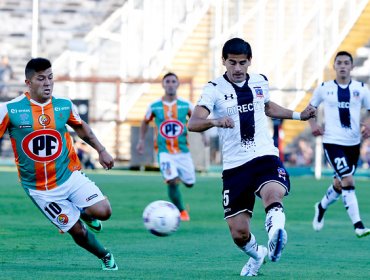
[(317, 97), (207, 98), (265, 89), (149, 115), (4, 119), (74, 117)]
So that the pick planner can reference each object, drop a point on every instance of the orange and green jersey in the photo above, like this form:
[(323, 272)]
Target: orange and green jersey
[(42, 146), (170, 118)]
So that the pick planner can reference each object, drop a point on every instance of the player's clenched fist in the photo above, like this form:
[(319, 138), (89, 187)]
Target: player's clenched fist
[(308, 113), (225, 122)]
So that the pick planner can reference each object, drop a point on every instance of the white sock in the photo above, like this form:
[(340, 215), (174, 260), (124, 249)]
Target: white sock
[(351, 205), (251, 248), (275, 219), (330, 197)]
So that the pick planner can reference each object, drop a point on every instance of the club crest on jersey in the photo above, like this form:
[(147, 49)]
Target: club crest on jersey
[(259, 92), (62, 219), (281, 173), (43, 145), (44, 120), (171, 129)]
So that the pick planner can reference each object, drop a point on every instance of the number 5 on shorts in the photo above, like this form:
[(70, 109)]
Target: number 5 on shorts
[(226, 197)]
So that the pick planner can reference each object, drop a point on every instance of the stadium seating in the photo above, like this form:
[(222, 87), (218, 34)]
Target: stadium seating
[(60, 23)]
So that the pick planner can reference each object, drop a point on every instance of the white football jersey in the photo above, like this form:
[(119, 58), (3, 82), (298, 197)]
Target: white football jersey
[(342, 110), (250, 137)]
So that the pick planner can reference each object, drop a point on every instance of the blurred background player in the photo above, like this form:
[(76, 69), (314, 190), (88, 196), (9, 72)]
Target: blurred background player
[(48, 167), (240, 103), (342, 99), (170, 114)]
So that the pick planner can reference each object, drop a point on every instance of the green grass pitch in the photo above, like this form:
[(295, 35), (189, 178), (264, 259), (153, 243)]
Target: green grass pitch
[(31, 248)]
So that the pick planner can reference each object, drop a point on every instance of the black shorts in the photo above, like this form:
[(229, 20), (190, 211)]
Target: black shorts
[(343, 159), (241, 184)]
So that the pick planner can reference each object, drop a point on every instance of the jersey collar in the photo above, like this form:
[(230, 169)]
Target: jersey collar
[(27, 94)]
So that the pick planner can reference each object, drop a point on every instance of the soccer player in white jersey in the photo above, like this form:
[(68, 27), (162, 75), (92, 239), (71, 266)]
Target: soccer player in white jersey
[(240, 104), (342, 99)]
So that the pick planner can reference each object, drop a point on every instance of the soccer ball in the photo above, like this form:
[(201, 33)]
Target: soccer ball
[(161, 218)]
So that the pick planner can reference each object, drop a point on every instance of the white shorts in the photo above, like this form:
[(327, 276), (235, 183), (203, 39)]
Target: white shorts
[(62, 204), (177, 165)]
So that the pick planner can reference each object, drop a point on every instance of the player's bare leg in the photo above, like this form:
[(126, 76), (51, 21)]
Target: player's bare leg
[(245, 240), (87, 240), (93, 215)]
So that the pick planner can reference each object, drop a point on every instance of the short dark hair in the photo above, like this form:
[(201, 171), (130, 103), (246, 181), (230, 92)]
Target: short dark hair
[(344, 53), (170, 74), (236, 46), (36, 65)]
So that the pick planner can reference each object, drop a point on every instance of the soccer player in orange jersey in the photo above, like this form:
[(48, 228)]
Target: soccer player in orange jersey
[(170, 114), (48, 167)]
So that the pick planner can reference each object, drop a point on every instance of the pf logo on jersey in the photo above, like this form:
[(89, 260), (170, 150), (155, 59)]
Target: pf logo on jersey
[(43, 145), (171, 129)]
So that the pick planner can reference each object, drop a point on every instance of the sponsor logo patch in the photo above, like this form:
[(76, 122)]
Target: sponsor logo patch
[(231, 96), (43, 145), (25, 126), (171, 129), (91, 197)]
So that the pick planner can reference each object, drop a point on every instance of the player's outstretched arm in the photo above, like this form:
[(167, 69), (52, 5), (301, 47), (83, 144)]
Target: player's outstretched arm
[(274, 110), (308, 113), (85, 133)]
